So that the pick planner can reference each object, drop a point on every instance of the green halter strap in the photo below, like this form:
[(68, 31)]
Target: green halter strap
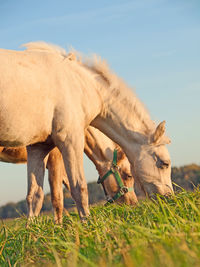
[(115, 171)]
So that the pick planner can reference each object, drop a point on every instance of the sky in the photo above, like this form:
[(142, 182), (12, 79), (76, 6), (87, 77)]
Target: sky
[(154, 45)]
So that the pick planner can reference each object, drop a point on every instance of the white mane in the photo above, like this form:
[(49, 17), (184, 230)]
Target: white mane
[(122, 94), (45, 47), (118, 91)]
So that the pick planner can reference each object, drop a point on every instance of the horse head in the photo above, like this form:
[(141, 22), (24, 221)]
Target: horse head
[(152, 167)]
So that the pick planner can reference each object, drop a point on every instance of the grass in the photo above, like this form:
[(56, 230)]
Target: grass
[(165, 232)]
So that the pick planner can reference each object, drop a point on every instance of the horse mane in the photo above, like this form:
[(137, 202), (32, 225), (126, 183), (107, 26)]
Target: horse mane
[(117, 86), (45, 47), (124, 94)]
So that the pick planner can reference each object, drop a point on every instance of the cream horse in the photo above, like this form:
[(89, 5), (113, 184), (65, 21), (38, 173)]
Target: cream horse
[(48, 98), (99, 149)]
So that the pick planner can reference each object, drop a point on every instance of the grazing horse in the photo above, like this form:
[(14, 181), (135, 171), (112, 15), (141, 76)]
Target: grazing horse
[(48, 99), (99, 149)]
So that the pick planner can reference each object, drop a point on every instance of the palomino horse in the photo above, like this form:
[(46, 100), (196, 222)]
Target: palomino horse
[(48, 98), (99, 149)]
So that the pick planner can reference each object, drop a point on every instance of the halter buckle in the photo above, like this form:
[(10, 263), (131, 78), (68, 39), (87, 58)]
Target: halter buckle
[(123, 190), (114, 167)]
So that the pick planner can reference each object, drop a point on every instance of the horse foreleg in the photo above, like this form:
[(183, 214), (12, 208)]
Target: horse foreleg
[(72, 152), (36, 168)]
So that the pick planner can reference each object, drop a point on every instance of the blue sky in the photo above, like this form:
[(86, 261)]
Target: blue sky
[(154, 45)]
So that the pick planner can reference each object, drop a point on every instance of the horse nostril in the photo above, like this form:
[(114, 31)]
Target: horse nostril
[(171, 192)]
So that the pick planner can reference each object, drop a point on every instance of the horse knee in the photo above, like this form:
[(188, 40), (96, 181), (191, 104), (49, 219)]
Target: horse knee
[(39, 195), (81, 190), (38, 198), (29, 199)]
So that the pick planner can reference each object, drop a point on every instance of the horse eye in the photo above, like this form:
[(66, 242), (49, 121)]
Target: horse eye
[(162, 164), (127, 176)]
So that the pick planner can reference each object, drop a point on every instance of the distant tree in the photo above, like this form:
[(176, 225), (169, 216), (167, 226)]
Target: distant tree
[(95, 192), (47, 206), (187, 176), (22, 207), (8, 211)]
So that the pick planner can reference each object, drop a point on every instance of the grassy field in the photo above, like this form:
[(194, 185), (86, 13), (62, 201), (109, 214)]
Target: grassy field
[(155, 233)]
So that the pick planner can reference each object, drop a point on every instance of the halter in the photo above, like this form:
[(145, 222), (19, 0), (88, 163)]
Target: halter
[(115, 171)]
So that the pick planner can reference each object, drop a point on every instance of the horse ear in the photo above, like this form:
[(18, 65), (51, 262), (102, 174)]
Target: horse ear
[(159, 132)]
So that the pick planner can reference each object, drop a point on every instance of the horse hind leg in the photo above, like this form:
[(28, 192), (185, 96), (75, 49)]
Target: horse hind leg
[(36, 167)]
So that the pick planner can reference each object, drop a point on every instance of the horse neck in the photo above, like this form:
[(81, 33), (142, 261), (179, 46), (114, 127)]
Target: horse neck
[(124, 120), (99, 149)]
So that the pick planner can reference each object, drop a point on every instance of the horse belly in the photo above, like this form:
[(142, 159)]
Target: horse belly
[(23, 125), (16, 139), (26, 110)]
